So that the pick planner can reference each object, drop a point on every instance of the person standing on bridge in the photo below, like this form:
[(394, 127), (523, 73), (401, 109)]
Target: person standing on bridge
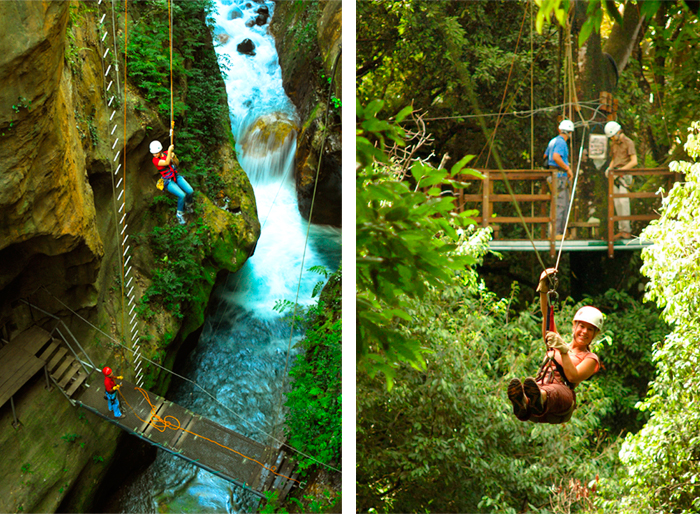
[(173, 182), (111, 388), (624, 157), (557, 155), (551, 398)]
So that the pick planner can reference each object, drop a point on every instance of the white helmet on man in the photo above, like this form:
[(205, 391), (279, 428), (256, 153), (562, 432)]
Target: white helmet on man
[(612, 128), (590, 315), (156, 147), (566, 126)]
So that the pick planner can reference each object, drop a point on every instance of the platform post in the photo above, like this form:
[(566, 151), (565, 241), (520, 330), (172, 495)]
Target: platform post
[(15, 424)]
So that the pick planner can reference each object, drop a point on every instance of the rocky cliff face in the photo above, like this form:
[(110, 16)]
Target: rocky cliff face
[(59, 236), (308, 36)]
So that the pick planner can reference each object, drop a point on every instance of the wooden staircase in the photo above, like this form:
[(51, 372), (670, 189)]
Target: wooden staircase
[(62, 366)]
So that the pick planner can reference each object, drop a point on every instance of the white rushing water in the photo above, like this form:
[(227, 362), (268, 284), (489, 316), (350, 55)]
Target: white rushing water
[(241, 357)]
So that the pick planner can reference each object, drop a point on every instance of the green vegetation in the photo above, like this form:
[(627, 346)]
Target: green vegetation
[(70, 438), (397, 255), (314, 422), (660, 460), (200, 109), (443, 438), (178, 250)]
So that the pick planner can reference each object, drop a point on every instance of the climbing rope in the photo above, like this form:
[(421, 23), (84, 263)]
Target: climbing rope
[(172, 102), (173, 423)]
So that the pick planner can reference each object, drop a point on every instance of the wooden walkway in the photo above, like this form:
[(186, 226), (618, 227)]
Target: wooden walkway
[(198, 440), (19, 362)]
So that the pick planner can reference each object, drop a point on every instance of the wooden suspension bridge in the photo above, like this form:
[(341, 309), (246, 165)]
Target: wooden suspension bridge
[(584, 235), (238, 459)]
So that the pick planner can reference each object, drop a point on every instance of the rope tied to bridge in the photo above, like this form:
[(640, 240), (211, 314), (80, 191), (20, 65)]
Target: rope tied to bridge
[(162, 424)]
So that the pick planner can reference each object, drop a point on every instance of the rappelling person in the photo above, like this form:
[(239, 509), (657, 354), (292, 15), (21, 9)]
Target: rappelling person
[(551, 398), (111, 388), (173, 182), (557, 155), (623, 157)]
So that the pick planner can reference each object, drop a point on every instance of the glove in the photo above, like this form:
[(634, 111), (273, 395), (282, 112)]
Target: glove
[(116, 387), (555, 341), (120, 378), (543, 286)]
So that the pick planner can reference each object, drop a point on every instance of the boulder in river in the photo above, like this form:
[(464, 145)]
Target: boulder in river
[(235, 13), (246, 47)]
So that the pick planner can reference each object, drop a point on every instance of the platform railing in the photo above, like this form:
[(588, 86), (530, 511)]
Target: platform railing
[(487, 201), (644, 172)]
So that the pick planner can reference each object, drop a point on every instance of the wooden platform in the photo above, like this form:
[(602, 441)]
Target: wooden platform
[(198, 440), (18, 361), (576, 245)]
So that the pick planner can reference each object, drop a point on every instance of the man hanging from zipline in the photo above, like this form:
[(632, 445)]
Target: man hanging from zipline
[(550, 398)]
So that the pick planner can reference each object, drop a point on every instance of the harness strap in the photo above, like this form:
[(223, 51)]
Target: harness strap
[(545, 375)]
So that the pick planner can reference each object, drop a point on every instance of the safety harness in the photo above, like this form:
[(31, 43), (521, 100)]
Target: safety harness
[(549, 365)]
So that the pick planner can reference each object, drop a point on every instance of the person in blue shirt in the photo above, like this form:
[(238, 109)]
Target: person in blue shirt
[(557, 155)]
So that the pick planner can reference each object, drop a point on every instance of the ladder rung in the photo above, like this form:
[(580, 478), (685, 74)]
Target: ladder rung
[(69, 375), (76, 384), (57, 358), (62, 368)]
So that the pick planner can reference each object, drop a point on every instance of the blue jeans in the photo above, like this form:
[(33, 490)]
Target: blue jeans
[(180, 188), (113, 404)]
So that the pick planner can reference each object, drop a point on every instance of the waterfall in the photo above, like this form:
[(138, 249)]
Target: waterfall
[(241, 357)]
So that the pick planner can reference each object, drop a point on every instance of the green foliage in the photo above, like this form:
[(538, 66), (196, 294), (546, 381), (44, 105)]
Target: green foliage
[(200, 110), (662, 458), (406, 240), (444, 438), (97, 459), (70, 438), (272, 505), (431, 54), (625, 349), (26, 468), (314, 423), (180, 268)]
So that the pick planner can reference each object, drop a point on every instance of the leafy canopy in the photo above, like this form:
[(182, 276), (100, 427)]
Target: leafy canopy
[(406, 241)]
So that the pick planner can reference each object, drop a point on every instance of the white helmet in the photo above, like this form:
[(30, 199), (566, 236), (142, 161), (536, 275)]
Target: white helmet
[(156, 146), (612, 128), (566, 126), (590, 315)]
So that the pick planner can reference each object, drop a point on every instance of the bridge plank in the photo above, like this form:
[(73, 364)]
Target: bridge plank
[(32, 339)]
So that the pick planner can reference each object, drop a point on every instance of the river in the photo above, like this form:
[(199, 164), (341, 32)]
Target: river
[(242, 354)]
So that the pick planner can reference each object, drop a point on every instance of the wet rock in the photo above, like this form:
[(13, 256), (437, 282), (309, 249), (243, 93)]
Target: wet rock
[(250, 23), (235, 14), (246, 47), (223, 38), (263, 15)]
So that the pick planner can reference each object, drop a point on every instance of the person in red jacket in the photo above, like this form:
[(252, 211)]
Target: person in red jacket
[(111, 388), (173, 182)]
